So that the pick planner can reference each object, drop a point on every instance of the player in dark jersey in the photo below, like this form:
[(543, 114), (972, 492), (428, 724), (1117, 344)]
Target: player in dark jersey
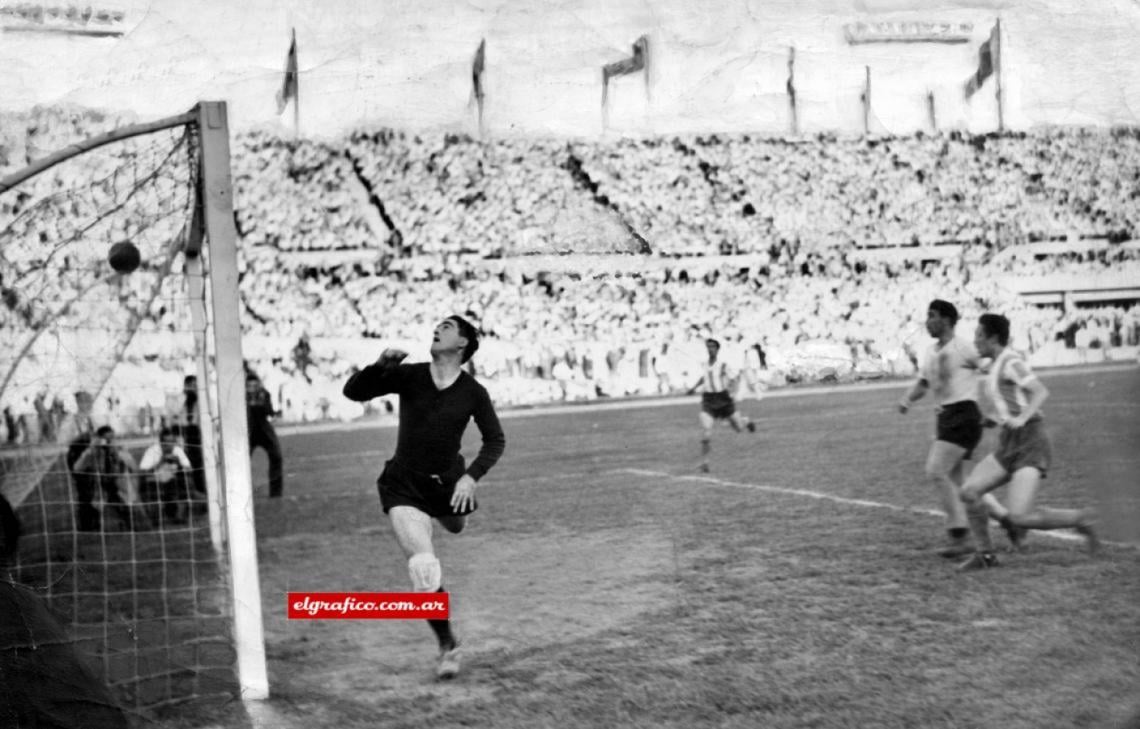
[(427, 477), (259, 413)]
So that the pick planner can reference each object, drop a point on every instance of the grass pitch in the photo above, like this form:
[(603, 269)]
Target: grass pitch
[(604, 582)]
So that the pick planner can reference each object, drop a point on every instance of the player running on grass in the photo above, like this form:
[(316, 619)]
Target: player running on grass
[(1024, 452), (950, 369), (716, 400), (427, 477)]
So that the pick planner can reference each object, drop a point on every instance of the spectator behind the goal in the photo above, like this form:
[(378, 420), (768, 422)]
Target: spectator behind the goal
[(191, 432), (104, 465), (43, 681), (166, 470), (259, 411)]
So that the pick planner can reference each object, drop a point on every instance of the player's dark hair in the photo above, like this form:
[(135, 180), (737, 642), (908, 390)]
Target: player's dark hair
[(104, 431), (468, 332), (996, 326), (944, 309), (712, 342), (167, 431)]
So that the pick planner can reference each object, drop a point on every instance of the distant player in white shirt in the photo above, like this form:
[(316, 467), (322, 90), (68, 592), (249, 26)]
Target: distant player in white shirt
[(950, 371), (716, 386), (1024, 452)]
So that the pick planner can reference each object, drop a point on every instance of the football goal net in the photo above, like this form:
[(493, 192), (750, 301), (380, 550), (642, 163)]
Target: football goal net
[(120, 335)]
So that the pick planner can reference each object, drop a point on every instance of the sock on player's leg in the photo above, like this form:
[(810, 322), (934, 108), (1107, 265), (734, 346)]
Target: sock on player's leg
[(442, 630), (979, 518)]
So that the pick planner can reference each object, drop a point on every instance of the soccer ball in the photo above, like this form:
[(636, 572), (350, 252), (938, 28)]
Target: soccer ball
[(124, 257)]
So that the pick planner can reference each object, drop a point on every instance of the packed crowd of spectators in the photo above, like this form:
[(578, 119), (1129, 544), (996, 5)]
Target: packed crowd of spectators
[(350, 245)]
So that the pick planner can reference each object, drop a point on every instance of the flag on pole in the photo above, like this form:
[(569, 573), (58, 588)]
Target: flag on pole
[(477, 70), (637, 62), (288, 88), (790, 85), (989, 57)]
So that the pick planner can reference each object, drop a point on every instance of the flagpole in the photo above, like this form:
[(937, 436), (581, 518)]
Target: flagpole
[(867, 102), (997, 71), (605, 101), (930, 111)]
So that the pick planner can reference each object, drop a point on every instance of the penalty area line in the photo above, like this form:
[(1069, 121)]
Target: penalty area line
[(828, 497)]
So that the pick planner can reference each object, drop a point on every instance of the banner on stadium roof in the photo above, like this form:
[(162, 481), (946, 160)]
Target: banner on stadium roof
[(908, 32), (103, 21)]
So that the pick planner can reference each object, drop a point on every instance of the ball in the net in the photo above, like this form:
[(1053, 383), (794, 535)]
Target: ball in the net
[(124, 257)]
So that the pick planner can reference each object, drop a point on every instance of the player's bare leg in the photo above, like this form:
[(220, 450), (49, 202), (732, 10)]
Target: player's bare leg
[(741, 422), (1023, 487), (987, 476), (413, 533), (707, 423), (944, 469), (1001, 515)]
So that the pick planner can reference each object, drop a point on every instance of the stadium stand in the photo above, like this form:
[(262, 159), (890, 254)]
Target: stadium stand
[(818, 250)]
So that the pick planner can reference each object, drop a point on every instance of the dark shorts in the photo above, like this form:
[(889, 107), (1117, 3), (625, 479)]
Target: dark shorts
[(960, 423), (718, 404), (430, 493), (1026, 447)]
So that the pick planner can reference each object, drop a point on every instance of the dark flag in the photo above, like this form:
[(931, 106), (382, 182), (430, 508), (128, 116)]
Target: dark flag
[(791, 88), (477, 71), (637, 62), (288, 90), (989, 56)]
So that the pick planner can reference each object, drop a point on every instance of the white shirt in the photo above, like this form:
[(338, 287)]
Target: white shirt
[(164, 465), (951, 371), (1007, 382)]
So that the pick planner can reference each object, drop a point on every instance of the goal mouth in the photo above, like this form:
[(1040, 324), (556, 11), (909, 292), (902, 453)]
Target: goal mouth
[(133, 559)]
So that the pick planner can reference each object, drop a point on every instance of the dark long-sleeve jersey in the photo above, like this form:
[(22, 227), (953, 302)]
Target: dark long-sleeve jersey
[(432, 421)]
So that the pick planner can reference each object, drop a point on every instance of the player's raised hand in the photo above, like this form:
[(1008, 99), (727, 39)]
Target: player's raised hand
[(391, 357)]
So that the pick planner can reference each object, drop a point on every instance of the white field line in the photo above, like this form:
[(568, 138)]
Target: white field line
[(1056, 534)]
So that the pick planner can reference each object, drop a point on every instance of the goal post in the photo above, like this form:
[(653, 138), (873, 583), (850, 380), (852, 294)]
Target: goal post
[(216, 200), (171, 612)]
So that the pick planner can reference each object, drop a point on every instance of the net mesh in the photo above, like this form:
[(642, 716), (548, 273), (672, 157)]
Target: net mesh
[(122, 554)]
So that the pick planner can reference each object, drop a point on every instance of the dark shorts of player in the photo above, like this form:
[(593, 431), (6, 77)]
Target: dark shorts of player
[(960, 423), (718, 404), (430, 493), (1026, 447)]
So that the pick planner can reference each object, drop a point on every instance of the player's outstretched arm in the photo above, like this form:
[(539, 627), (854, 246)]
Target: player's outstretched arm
[(383, 377)]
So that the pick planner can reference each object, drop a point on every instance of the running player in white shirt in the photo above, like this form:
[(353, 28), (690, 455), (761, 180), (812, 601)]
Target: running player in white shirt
[(716, 386), (950, 370), (1024, 451)]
